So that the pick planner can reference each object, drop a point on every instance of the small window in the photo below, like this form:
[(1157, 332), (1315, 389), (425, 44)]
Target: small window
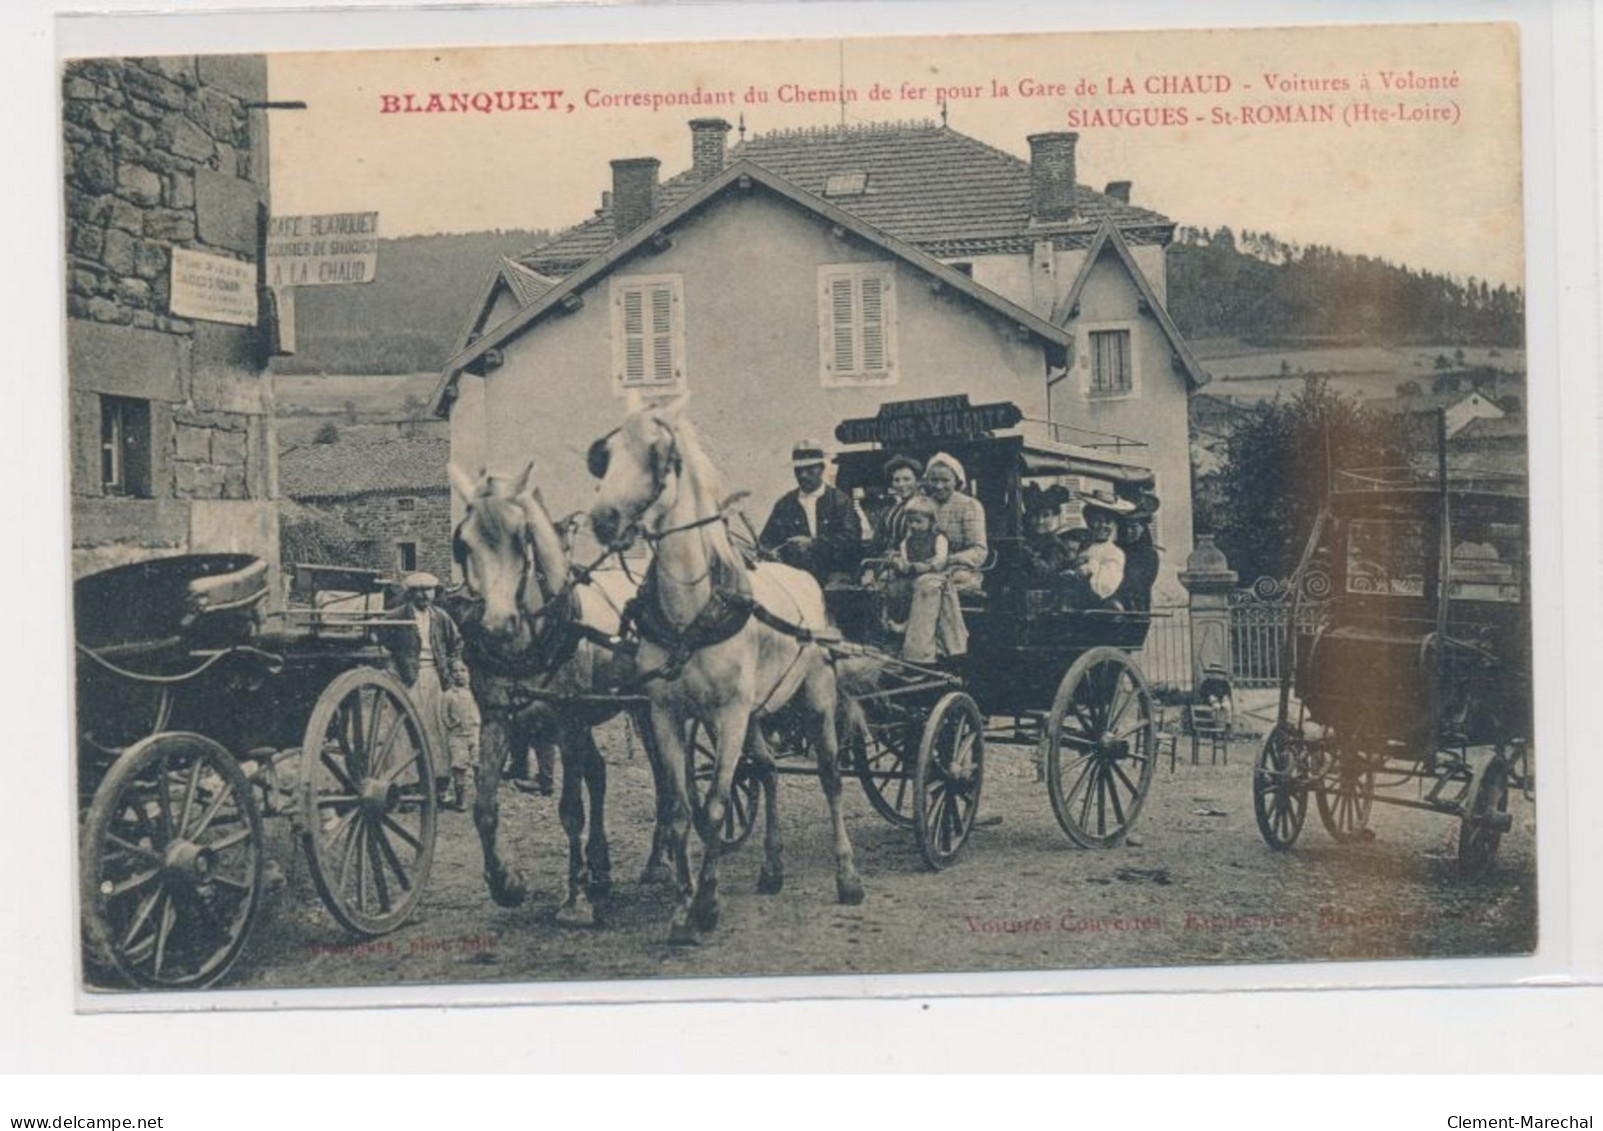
[(405, 503), (648, 333), (846, 184), (406, 556), (963, 267), (857, 324), (125, 447), (1111, 373)]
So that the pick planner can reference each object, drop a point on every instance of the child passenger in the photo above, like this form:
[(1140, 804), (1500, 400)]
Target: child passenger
[(923, 550)]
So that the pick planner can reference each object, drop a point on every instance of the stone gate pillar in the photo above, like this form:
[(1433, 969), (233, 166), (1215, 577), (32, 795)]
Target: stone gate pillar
[(1209, 579)]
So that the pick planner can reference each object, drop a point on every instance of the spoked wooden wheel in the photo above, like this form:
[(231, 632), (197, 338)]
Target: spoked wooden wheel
[(1344, 804), (1280, 790), (368, 809), (172, 863), (1485, 820), (884, 752), (740, 817), (947, 778), (1101, 745)]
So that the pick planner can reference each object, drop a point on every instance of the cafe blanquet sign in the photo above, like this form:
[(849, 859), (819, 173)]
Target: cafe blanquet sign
[(314, 251)]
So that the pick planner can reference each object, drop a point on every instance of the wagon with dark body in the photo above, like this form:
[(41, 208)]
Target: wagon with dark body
[(1417, 673), (199, 716), (1040, 672)]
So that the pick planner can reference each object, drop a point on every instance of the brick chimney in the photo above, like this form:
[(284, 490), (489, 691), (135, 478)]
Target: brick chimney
[(1118, 190), (707, 142), (634, 192), (1052, 177)]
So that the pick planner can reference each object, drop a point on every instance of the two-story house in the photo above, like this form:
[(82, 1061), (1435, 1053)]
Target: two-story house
[(804, 277)]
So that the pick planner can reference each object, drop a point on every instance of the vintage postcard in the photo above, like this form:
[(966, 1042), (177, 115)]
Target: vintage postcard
[(624, 512)]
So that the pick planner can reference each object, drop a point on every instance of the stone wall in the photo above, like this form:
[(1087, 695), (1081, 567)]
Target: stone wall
[(378, 515), (160, 154)]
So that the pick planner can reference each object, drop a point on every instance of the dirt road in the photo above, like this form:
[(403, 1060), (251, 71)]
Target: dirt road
[(1199, 887)]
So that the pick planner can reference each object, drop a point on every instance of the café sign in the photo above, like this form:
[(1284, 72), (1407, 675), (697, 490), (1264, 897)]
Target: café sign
[(932, 420), (319, 251), (212, 288)]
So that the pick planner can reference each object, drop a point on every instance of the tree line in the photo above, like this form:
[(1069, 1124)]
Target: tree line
[(1267, 291)]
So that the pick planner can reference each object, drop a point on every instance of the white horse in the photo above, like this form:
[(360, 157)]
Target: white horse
[(724, 643), (539, 646)]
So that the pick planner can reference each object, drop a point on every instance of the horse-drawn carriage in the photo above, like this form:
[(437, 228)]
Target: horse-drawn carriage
[(198, 717), (1418, 671), (1042, 671)]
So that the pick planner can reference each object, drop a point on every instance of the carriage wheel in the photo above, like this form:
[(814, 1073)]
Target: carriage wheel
[(368, 809), (947, 778), (882, 753), (1485, 821), (1344, 808), (1101, 747), (1279, 790), (744, 792), (172, 863)]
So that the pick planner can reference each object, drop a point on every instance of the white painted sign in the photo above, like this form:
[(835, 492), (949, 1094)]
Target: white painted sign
[(313, 251), (213, 288)]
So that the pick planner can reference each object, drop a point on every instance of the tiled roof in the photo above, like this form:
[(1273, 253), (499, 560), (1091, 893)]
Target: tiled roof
[(1492, 428), (357, 467), (931, 186), (1423, 402)]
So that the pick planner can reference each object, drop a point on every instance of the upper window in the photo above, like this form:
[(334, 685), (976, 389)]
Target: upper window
[(648, 332), (846, 184), (857, 324), (405, 503), (125, 446), (1112, 373)]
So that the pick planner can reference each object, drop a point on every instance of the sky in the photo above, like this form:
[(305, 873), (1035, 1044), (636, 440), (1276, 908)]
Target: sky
[(1439, 189)]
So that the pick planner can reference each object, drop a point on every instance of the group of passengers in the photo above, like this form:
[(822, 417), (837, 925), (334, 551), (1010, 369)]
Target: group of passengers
[(929, 546)]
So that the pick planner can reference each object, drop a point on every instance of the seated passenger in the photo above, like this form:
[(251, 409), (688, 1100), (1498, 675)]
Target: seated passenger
[(1096, 579), (1140, 557), (1050, 553), (923, 550), (935, 627), (815, 527)]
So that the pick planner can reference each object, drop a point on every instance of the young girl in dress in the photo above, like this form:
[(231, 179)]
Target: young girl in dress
[(923, 550)]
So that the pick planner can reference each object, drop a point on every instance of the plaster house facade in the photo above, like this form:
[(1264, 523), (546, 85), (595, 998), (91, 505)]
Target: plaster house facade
[(394, 493), (805, 277), (171, 443)]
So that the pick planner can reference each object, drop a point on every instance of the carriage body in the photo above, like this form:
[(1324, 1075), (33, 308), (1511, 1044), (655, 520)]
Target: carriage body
[(199, 715), (1041, 673), (1418, 668)]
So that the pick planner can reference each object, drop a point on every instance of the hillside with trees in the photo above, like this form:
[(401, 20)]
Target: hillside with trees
[(408, 318), (1264, 291)]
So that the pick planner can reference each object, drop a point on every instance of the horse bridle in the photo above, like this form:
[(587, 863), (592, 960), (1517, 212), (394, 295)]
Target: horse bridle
[(597, 460), (525, 544)]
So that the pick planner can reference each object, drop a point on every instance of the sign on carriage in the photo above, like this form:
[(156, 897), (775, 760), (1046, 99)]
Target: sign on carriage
[(900, 638), (324, 250), (933, 420), (213, 288)]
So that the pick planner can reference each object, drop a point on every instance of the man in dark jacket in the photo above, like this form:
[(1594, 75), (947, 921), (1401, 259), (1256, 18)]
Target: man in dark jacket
[(1140, 557), (815, 527)]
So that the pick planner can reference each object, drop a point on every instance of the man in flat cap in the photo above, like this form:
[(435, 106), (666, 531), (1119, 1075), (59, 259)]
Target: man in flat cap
[(815, 527), (426, 650)]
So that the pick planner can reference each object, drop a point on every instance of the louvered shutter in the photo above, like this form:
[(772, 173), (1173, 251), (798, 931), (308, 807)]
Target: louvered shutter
[(872, 359), (662, 360), (634, 339), (842, 338)]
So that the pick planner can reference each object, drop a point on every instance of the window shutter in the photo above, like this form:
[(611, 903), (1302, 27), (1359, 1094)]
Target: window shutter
[(873, 359), (634, 346), (843, 349), (662, 333)]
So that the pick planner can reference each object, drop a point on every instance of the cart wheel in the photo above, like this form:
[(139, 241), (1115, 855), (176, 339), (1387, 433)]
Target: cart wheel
[(172, 863), (947, 778), (367, 801), (1485, 821), (881, 752), (1344, 808), (744, 792), (1279, 790), (1101, 747)]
